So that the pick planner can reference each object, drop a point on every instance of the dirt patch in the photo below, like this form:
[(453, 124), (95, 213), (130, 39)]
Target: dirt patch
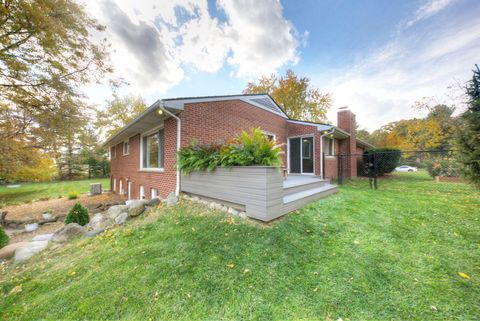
[(58, 206)]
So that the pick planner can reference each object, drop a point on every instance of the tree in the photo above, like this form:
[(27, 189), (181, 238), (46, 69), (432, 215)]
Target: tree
[(295, 95), (119, 112), (469, 133), (46, 54)]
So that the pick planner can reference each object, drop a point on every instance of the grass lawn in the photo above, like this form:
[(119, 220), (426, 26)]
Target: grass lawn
[(34, 191), (390, 254)]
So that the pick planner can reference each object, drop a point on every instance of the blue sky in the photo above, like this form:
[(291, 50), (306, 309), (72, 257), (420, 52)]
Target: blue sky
[(377, 57)]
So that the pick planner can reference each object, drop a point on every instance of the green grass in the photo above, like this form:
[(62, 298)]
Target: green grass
[(34, 191), (390, 254)]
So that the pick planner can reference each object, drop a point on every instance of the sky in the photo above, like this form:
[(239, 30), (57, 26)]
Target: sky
[(378, 57)]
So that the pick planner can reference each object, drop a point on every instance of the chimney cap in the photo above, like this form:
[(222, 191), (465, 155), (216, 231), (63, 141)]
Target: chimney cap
[(343, 108)]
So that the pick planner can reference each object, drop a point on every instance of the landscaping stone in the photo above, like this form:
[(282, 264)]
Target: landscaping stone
[(121, 219), (135, 208), (171, 199), (43, 237), (243, 215), (95, 189), (9, 250), (195, 199), (100, 221), (233, 211), (67, 233), (224, 208), (94, 232), (29, 249), (115, 210), (153, 202)]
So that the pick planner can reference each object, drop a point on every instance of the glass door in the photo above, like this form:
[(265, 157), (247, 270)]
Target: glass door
[(307, 155), (294, 156)]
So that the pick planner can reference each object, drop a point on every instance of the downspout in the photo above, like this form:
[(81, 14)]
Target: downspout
[(179, 127), (321, 150)]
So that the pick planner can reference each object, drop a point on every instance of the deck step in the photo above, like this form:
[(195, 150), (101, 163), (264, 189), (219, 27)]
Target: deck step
[(302, 198), (296, 187)]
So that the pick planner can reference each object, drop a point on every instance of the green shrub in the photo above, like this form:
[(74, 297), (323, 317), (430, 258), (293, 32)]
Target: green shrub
[(443, 167), (78, 214), (3, 238), (382, 160), (73, 195), (248, 149)]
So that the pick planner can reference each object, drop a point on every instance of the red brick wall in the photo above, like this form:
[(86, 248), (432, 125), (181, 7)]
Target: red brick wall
[(207, 122), (346, 121), (126, 168)]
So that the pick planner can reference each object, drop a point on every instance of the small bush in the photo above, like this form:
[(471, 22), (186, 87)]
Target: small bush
[(3, 238), (382, 160), (73, 195), (248, 149), (78, 214), (443, 167)]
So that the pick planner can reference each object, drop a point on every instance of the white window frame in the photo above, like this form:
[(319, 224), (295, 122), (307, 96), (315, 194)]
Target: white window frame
[(153, 193), (141, 193), (129, 190), (114, 152), (274, 137), (126, 143), (326, 142), (114, 184), (148, 133), (120, 187)]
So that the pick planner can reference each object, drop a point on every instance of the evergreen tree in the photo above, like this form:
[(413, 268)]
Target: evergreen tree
[(469, 135)]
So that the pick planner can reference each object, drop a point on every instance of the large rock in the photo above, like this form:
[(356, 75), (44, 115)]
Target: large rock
[(171, 199), (121, 219), (9, 250), (100, 221), (70, 231), (29, 249), (116, 210), (135, 208), (43, 237), (153, 202)]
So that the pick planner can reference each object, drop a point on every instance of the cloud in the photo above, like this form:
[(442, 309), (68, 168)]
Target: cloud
[(384, 85), (155, 41), (430, 8)]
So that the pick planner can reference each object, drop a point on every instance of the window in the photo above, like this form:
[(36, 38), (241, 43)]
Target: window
[(154, 193), (306, 148), (114, 184), (126, 147), (121, 188), (142, 192), (152, 150), (270, 136), (113, 152), (328, 146)]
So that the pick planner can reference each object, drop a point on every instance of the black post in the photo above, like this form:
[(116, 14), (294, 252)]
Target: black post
[(375, 169)]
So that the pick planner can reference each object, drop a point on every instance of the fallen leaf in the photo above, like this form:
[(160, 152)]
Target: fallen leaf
[(315, 290), (16, 289), (434, 308), (315, 273), (230, 265), (464, 275), (246, 270), (72, 273)]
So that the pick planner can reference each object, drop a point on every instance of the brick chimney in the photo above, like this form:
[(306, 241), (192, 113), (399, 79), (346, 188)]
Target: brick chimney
[(346, 121)]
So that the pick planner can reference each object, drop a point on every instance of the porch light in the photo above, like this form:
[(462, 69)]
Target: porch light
[(160, 112)]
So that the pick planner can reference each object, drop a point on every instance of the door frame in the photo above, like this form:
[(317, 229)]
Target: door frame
[(301, 153)]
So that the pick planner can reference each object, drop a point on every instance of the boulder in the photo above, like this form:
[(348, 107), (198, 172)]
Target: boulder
[(93, 232), (153, 202), (43, 237), (9, 250), (121, 219), (171, 199), (135, 208), (29, 249), (116, 210), (100, 221), (67, 233)]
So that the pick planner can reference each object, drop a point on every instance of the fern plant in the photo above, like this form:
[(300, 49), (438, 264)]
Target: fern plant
[(248, 149)]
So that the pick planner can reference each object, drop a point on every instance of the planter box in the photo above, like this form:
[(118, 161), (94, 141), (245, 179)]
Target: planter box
[(447, 179), (258, 188)]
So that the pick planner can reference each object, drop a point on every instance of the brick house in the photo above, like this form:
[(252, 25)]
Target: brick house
[(143, 153)]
